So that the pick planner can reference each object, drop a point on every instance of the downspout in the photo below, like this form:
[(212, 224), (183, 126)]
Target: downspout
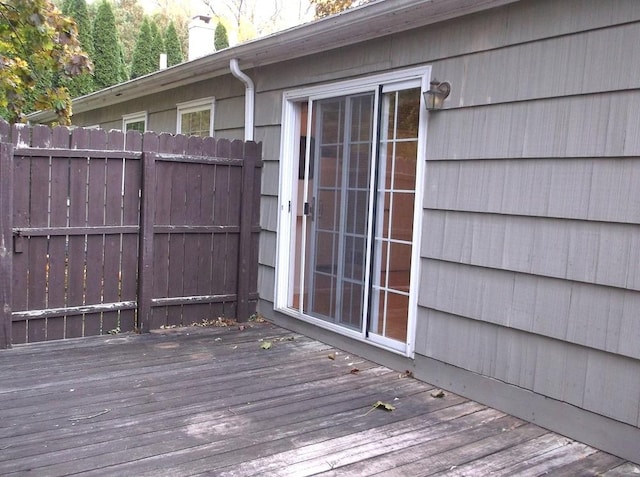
[(249, 99)]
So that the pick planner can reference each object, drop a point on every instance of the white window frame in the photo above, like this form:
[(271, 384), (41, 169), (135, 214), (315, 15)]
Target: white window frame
[(287, 200), (194, 107), (135, 118)]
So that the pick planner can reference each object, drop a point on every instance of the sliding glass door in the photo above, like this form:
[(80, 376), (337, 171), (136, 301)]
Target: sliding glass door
[(350, 257)]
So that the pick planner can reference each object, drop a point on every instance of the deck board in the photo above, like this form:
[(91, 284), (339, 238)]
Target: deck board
[(211, 401)]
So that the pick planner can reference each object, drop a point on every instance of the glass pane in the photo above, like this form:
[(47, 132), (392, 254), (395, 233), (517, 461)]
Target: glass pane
[(359, 165), (408, 113), (358, 205), (196, 123), (354, 258), (352, 297), (397, 307), (328, 209), (389, 157), (330, 168), (135, 126), (402, 222), (399, 271), (323, 294), (390, 106), (332, 121), (406, 154)]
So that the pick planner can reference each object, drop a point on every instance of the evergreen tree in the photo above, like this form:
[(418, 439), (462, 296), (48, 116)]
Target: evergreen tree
[(106, 55), (142, 62), (77, 10), (123, 74), (172, 45), (221, 40), (157, 45)]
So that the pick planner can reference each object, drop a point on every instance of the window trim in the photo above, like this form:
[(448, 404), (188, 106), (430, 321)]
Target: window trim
[(289, 160), (194, 107), (135, 118)]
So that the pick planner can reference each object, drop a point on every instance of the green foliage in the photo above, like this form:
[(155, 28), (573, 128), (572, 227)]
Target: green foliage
[(325, 8), (123, 74), (77, 10), (221, 40), (142, 62), (37, 43), (106, 56), (157, 45), (172, 46), (129, 16)]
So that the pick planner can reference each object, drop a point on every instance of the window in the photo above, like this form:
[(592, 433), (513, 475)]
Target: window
[(135, 122), (349, 219), (196, 118)]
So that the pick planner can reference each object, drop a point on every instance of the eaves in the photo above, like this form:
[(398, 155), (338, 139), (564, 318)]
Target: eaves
[(372, 20)]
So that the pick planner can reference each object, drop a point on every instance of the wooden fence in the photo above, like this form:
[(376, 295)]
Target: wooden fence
[(102, 232)]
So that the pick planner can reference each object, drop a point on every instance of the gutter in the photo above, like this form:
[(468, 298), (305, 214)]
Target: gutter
[(249, 98)]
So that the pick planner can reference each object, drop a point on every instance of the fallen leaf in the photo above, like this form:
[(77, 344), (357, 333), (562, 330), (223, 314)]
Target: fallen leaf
[(332, 356), (241, 327), (384, 405), (438, 394), (381, 405), (354, 371), (266, 345)]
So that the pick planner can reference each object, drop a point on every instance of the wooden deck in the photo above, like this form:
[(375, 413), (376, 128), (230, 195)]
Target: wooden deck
[(212, 401)]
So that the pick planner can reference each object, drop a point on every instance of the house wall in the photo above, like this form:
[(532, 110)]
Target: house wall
[(162, 112), (530, 275), (530, 256)]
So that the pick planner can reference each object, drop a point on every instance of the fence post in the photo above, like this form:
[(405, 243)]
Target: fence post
[(246, 225), (6, 242), (145, 246)]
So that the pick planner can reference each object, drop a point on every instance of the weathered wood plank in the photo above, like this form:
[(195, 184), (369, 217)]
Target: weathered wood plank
[(408, 454), (6, 242), (596, 464), (210, 400)]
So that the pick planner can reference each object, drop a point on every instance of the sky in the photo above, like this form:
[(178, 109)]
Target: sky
[(292, 12)]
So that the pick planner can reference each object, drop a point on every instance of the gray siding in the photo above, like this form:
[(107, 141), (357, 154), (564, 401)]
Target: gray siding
[(531, 235)]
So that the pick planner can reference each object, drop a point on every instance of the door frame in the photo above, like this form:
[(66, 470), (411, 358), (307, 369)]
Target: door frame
[(287, 198)]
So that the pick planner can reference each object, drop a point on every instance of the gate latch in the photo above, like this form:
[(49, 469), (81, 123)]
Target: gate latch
[(18, 240)]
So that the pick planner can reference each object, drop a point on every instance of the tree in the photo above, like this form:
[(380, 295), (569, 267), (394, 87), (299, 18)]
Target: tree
[(123, 74), (325, 8), (172, 45), (106, 56), (221, 41), (37, 42), (142, 63), (247, 19), (129, 16), (157, 46), (77, 10)]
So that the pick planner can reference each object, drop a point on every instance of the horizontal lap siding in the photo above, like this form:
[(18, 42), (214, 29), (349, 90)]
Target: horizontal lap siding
[(575, 374), (531, 228)]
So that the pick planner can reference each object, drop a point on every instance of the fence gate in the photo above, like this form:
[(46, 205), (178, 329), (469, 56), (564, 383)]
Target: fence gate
[(106, 233)]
